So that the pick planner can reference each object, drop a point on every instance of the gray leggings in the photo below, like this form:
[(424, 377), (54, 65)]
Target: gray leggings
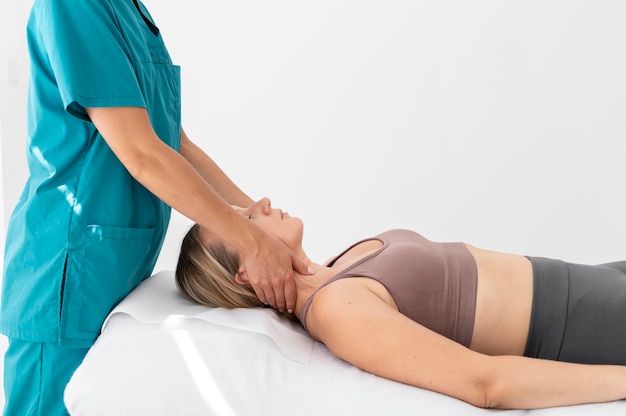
[(578, 312)]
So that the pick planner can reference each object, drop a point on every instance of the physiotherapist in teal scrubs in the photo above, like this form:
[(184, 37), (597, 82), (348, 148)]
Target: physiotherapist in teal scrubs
[(107, 157)]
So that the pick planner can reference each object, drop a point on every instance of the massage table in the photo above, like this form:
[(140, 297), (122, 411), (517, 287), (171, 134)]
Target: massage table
[(160, 354)]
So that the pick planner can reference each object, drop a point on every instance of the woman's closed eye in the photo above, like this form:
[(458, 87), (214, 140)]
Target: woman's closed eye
[(240, 211)]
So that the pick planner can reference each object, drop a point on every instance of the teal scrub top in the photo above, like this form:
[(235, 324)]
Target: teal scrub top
[(84, 232)]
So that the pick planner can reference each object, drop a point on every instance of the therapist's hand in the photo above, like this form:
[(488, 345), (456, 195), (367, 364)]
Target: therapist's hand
[(270, 271)]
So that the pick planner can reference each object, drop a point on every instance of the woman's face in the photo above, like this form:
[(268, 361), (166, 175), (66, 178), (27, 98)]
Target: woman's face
[(275, 222)]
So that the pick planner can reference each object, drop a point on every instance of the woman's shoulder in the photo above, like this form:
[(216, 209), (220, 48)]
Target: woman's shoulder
[(345, 296)]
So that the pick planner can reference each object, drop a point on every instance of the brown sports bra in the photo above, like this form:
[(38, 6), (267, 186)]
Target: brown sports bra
[(432, 283)]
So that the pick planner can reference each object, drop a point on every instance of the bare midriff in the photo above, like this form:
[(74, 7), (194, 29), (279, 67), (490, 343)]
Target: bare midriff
[(503, 298), (503, 302)]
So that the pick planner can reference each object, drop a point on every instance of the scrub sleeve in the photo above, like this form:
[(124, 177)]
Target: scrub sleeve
[(84, 232)]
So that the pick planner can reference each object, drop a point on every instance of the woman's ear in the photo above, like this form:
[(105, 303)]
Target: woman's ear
[(241, 277)]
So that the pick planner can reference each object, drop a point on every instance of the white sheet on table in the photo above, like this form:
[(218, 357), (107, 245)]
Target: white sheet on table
[(150, 361), (157, 300)]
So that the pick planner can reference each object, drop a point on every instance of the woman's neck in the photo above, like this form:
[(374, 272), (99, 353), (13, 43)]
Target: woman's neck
[(306, 285)]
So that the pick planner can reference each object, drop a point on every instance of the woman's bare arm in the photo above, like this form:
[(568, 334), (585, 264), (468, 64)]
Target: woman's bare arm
[(362, 329)]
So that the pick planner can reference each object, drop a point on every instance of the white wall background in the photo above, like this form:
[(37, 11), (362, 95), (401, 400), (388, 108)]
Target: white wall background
[(13, 90), (500, 123), (495, 122), (1, 203), (13, 73)]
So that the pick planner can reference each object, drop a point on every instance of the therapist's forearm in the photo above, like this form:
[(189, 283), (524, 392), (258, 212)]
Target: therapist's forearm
[(212, 173), (174, 180), (168, 175)]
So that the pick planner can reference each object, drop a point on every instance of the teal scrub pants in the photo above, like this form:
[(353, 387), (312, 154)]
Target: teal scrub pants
[(35, 376)]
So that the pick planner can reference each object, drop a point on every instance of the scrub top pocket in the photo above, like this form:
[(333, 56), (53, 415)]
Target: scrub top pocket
[(63, 269), (115, 262)]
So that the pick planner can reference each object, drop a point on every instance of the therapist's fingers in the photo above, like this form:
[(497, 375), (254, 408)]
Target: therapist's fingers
[(264, 291), (275, 294), (289, 292), (284, 291), (289, 283), (300, 267), (271, 273), (279, 292)]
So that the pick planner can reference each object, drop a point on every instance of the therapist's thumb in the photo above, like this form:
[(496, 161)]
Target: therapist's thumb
[(300, 267)]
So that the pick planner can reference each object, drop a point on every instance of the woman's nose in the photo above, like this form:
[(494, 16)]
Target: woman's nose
[(264, 205)]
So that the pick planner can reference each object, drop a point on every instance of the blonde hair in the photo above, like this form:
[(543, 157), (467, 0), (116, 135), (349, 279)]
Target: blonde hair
[(206, 274)]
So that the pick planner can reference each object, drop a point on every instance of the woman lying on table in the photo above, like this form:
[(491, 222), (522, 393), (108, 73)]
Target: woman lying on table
[(493, 329)]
